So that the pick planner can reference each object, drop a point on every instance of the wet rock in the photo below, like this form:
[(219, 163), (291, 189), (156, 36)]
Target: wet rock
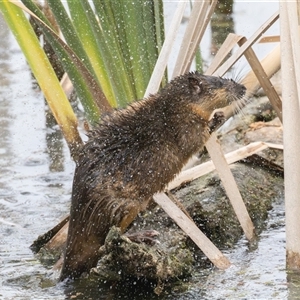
[(206, 201), (123, 258), (175, 255)]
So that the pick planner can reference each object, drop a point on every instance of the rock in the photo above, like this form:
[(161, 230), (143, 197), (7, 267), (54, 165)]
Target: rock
[(175, 256), (123, 259), (210, 208)]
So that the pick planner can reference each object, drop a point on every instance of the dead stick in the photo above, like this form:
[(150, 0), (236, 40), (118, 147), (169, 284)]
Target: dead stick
[(189, 227)]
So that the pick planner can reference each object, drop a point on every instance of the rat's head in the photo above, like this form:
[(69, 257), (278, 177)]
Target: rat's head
[(209, 92), (214, 92)]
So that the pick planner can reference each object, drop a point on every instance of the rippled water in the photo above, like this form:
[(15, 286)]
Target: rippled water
[(33, 199)]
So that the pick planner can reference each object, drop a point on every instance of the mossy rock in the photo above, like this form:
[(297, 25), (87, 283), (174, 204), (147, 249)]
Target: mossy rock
[(122, 258), (207, 203), (174, 255)]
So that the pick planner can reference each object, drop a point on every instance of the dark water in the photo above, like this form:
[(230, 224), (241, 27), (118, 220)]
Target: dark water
[(33, 198)]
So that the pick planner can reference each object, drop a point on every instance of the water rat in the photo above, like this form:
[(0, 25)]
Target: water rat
[(134, 153)]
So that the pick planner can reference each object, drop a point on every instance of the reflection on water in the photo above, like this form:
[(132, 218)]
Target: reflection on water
[(33, 199)]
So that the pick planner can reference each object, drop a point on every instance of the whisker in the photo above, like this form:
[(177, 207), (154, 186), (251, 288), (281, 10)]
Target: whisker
[(236, 74), (239, 104)]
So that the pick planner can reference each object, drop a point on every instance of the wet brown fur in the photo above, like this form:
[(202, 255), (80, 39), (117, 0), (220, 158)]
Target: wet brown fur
[(134, 153)]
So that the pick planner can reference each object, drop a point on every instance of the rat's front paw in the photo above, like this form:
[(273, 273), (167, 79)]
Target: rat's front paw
[(217, 120)]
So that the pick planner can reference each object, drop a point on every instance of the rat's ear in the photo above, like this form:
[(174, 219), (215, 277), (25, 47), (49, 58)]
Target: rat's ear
[(195, 85)]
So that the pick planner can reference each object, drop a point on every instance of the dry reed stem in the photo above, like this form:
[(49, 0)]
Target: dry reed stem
[(189, 227), (165, 52), (290, 59), (263, 79), (199, 19), (231, 157)]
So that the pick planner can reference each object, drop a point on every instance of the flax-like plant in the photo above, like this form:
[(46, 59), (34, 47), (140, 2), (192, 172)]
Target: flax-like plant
[(43, 72), (118, 41), (109, 50)]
